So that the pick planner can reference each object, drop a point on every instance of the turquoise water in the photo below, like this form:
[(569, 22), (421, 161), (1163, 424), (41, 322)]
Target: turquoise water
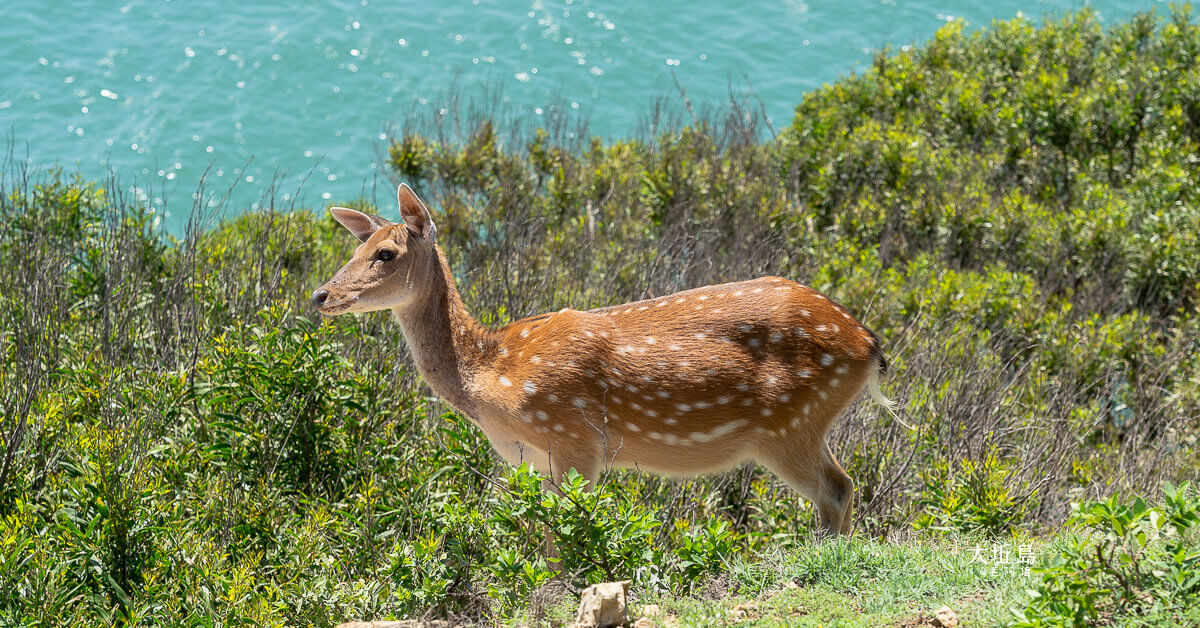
[(263, 94)]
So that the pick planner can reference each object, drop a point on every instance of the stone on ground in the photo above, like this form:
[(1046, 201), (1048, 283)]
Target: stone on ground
[(603, 605)]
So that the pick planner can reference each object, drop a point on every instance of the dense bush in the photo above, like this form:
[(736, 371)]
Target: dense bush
[(1132, 559), (1014, 210)]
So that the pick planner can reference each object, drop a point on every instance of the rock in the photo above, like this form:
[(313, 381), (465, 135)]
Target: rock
[(945, 618), (603, 605)]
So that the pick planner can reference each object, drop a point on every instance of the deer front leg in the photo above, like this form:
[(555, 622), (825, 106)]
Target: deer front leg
[(559, 462)]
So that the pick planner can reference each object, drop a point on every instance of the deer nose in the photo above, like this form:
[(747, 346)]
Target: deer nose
[(319, 297)]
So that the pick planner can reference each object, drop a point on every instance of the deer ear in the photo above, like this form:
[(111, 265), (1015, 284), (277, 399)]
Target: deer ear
[(416, 215), (360, 224)]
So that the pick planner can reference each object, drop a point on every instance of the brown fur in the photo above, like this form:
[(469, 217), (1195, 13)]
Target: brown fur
[(684, 384)]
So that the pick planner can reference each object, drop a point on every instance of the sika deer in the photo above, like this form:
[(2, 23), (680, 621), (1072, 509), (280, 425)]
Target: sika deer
[(690, 383)]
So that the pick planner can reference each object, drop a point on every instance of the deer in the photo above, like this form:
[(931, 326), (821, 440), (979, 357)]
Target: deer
[(695, 382)]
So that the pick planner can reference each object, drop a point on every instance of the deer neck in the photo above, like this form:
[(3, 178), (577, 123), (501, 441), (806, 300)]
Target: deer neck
[(448, 346)]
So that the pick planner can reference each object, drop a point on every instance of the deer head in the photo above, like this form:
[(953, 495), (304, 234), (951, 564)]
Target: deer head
[(394, 262)]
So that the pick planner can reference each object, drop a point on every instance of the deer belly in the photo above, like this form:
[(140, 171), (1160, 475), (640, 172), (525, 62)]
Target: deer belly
[(683, 459)]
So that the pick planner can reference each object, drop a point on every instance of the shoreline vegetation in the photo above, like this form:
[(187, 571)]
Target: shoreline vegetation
[(1015, 210)]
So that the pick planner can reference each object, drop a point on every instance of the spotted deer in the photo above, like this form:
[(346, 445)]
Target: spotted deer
[(694, 382)]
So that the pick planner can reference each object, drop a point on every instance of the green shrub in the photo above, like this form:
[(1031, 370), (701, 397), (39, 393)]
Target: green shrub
[(1131, 559), (972, 496)]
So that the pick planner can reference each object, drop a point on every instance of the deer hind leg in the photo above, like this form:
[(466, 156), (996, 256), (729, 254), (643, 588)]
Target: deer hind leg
[(815, 473)]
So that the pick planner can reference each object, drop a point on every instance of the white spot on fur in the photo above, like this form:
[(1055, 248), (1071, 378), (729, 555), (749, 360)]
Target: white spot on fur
[(724, 399), (826, 359), (805, 313), (632, 427), (579, 402), (766, 411), (651, 413), (799, 331), (504, 381), (834, 382), (753, 342), (795, 423), (525, 333), (527, 417), (503, 351), (820, 328), (541, 415), (644, 307), (702, 405), (805, 373), (703, 297), (559, 428), (650, 340), (660, 304), (679, 300), (683, 407), (776, 336), (700, 336), (747, 401), (530, 387), (671, 421), (822, 395), (757, 290), (663, 394), (719, 431), (553, 398), (841, 369), (784, 398)]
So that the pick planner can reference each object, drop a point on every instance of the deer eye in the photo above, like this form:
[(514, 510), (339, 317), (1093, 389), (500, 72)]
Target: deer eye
[(385, 254)]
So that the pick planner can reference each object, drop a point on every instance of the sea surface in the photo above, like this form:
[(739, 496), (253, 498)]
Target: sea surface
[(298, 96)]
